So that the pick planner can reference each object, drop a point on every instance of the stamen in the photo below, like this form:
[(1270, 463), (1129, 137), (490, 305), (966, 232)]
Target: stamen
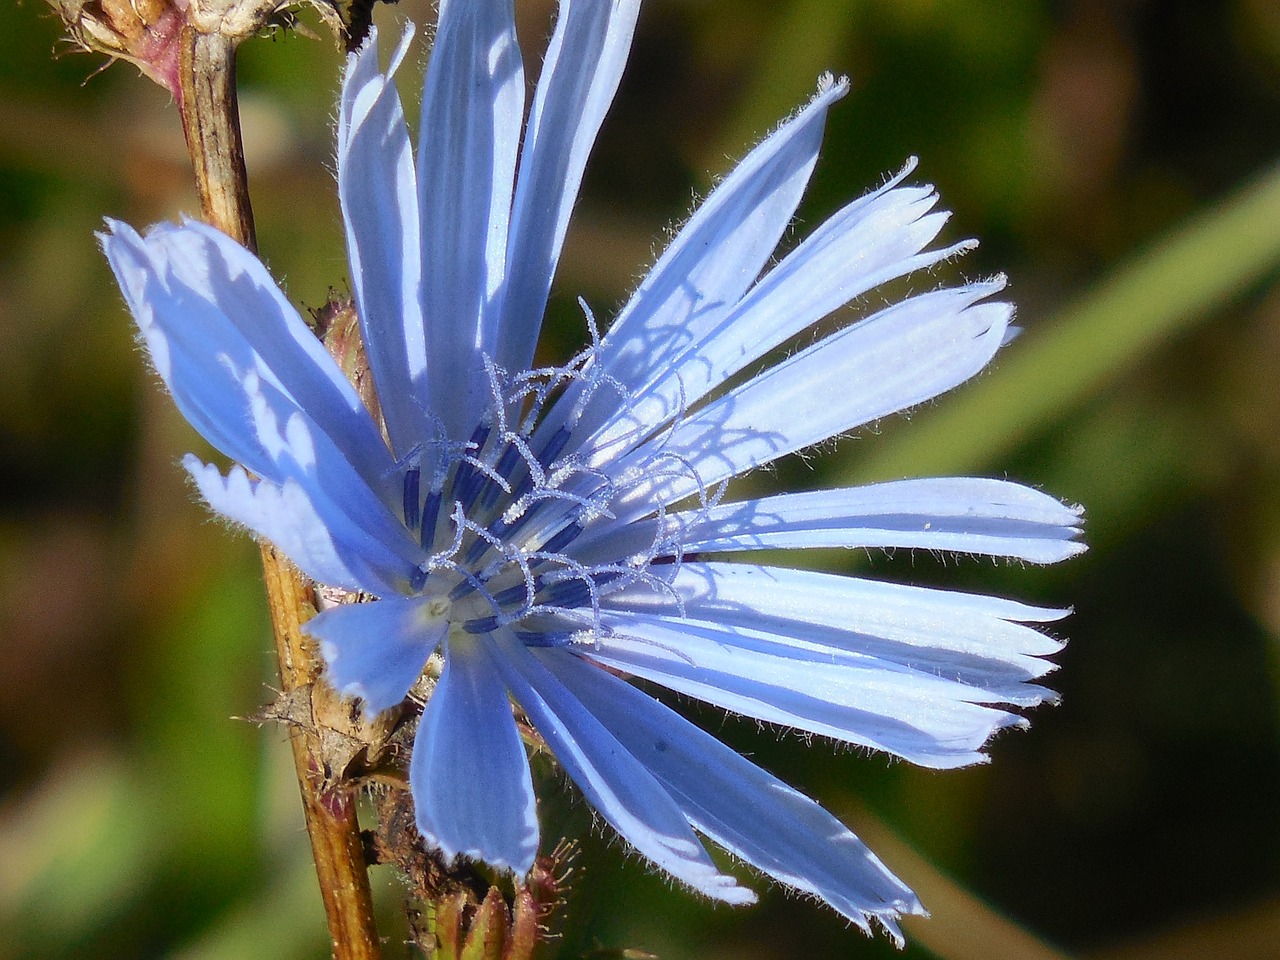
[(574, 570), (495, 375), (562, 539), (534, 476), (481, 474), (551, 449), (532, 638), (545, 499), (419, 579), (444, 557), (473, 584), (567, 593), (430, 517), (462, 478), (506, 466), (485, 540), (479, 547), (511, 595), (412, 504)]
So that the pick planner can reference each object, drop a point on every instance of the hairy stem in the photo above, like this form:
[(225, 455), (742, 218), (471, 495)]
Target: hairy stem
[(207, 100)]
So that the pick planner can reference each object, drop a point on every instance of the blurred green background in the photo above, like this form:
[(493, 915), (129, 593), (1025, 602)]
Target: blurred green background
[(1118, 161)]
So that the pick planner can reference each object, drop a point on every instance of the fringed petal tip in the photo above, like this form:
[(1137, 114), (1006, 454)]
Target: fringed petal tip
[(1073, 548), (885, 918), (1010, 721), (1050, 698), (366, 704), (113, 230), (989, 286), (887, 921), (727, 890), (829, 83), (363, 71), (469, 772), (718, 887)]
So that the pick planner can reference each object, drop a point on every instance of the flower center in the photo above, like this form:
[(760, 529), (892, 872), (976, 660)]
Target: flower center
[(497, 517), (503, 517)]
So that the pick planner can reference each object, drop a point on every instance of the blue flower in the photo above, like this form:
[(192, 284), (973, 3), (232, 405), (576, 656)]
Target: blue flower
[(542, 535)]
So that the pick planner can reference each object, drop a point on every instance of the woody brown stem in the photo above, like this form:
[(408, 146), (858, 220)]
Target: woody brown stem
[(211, 123), (207, 99), (330, 809)]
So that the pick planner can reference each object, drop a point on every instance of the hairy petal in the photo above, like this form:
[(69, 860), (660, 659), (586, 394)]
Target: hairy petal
[(744, 809), (613, 781), (472, 792), (211, 315), (929, 720), (901, 356), (472, 106), (982, 642), (965, 515), (579, 78), (873, 240), (379, 196), (311, 530), (301, 452), (712, 261)]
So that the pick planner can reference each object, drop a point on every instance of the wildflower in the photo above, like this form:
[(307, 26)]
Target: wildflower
[(552, 532)]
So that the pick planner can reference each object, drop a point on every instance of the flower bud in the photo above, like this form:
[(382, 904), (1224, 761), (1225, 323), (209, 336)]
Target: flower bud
[(488, 931), (147, 33)]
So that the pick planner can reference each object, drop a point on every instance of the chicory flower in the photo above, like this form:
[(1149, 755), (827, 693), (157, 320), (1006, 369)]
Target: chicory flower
[(552, 532)]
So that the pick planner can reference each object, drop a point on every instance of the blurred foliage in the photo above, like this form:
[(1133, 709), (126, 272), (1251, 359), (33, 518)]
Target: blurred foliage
[(1118, 161)]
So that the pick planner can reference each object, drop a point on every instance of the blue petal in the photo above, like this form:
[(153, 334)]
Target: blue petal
[(205, 390), (211, 315), (303, 453), (579, 76), (469, 773), (376, 651), (472, 107), (613, 781), (710, 264), (741, 807), (871, 241), (312, 531), (964, 515), (901, 356), (982, 642), (249, 375), (379, 198), (929, 720)]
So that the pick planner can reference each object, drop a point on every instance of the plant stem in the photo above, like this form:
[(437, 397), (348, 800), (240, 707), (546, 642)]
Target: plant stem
[(211, 123), (207, 101), (330, 812)]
